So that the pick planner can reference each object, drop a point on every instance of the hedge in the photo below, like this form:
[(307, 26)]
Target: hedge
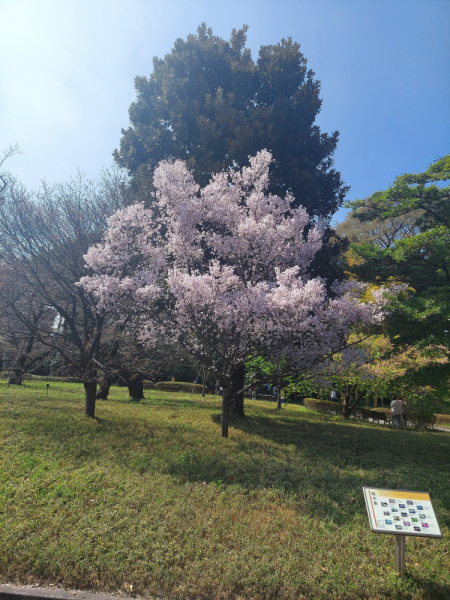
[(182, 386), (323, 406), (416, 419), (443, 420), (179, 386), (54, 379)]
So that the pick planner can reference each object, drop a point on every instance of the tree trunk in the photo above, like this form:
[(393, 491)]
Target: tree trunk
[(90, 390), (225, 411), (103, 392), (348, 406), (237, 400), (136, 389), (23, 361), (278, 397), (375, 401), (16, 378)]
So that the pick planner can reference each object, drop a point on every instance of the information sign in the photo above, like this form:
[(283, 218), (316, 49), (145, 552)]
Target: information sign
[(401, 512)]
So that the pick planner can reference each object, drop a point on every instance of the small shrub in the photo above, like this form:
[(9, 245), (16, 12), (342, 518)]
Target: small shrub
[(148, 385)]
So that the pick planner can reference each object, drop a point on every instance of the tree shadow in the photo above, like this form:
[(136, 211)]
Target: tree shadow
[(343, 457), (429, 588), (318, 462)]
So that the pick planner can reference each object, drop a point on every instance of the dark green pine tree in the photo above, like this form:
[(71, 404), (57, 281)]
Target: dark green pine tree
[(209, 104)]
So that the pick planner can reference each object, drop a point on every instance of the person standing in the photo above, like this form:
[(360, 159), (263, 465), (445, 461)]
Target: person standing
[(404, 413), (396, 412)]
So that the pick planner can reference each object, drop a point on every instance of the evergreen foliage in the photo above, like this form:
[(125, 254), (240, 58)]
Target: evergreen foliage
[(211, 105)]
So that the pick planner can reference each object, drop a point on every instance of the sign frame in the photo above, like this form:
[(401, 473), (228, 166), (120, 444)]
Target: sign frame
[(371, 513)]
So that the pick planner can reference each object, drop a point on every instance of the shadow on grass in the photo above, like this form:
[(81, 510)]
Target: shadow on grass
[(430, 589), (319, 462)]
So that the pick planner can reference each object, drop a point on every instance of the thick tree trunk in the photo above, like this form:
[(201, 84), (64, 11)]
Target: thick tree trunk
[(348, 406), (23, 361), (225, 411), (15, 381), (136, 389), (237, 400), (103, 392), (90, 391), (16, 378)]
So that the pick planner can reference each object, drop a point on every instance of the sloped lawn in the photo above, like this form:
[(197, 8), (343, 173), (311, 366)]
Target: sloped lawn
[(149, 495)]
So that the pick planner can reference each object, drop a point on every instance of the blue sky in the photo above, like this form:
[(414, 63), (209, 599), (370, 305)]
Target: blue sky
[(67, 71)]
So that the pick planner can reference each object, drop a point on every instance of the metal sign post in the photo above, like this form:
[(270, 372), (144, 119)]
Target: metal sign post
[(401, 513), (400, 559)]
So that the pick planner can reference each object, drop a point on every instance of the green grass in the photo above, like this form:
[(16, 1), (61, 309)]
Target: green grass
[(149, 495)]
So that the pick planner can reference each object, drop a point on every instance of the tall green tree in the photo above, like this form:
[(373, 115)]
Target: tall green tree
[(210, 104), (381, 233), (421, 316)]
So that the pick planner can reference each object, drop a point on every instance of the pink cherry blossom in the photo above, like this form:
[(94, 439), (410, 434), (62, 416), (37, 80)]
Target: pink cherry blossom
[(223, 271)]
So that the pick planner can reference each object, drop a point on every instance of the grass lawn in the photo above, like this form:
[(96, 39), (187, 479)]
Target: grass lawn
[(149, 495)]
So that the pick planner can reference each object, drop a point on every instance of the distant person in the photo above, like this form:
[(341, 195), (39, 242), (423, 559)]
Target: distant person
[(275, 393), (173, 378), (396, 412), (404, 413), (333, 396)]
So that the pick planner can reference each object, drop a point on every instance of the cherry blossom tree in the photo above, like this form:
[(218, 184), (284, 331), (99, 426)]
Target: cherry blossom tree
[(222, 271)]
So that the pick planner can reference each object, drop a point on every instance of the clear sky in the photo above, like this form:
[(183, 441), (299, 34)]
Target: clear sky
[(67, 71)]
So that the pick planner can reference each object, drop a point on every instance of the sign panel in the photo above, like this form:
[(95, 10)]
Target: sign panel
[(401, 513)]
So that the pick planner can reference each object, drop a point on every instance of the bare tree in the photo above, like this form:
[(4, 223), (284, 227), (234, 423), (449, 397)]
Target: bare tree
[(43, 238), (21, 314)]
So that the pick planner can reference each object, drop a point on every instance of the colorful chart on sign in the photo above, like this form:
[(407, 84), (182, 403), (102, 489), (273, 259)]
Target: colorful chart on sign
[(401, 512)]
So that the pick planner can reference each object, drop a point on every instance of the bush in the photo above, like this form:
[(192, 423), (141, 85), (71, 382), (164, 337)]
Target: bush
[(421, 420), (178, 386), (148, 385), (443, 420), (323, 406)]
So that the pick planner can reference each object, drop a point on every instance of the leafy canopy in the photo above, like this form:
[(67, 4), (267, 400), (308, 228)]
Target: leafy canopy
[(422, 260), (211, 105)]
